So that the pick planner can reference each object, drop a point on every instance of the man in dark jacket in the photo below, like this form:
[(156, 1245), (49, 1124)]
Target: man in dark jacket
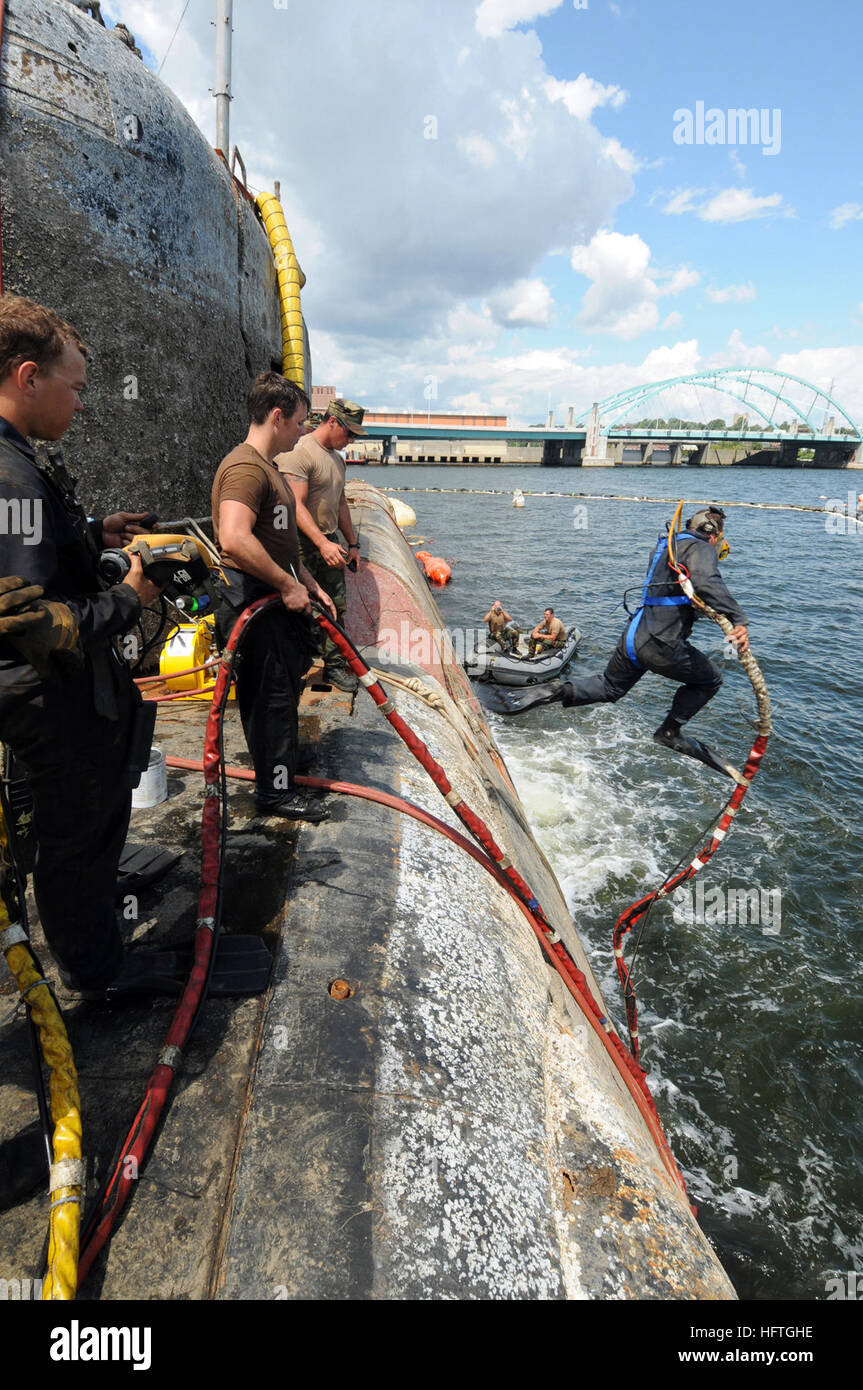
[(68, 706), (657, 637)]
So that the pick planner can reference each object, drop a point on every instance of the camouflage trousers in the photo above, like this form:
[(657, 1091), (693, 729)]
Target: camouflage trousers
[(332, 581)]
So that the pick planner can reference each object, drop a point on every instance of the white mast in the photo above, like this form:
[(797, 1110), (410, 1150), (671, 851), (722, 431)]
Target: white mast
[(222, 89)]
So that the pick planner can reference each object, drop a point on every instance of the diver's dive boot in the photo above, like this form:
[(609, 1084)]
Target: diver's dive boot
[(517, 701), (669, 736)]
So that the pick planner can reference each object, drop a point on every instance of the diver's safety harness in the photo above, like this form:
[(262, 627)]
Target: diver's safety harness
[(637, 912)]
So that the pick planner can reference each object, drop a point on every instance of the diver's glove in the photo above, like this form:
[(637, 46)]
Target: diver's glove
[(19, 610), (54, 634)]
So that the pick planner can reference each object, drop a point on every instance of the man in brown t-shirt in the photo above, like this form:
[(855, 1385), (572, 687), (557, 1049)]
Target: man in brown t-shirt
[(315, 470), (255, 526)]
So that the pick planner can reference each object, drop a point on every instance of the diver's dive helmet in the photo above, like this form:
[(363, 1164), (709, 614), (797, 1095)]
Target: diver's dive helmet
[(710, 522)]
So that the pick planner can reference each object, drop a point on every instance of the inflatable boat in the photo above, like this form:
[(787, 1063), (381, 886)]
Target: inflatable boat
[(489, 662)]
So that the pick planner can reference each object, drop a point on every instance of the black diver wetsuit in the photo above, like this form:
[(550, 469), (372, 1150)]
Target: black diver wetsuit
[(72, 734), (656, 638)]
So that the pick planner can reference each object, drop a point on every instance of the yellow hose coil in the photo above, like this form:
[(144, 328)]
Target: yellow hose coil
[(61, 1281), (291, 280)]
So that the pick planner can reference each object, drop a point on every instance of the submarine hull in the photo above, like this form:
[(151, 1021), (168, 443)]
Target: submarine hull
[(118, 214), (455, 1129)]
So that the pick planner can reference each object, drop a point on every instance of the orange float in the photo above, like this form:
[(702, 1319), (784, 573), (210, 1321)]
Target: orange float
[(436, 570)]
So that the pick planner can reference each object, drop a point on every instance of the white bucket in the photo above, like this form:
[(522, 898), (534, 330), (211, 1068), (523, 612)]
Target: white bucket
[(153, 786)]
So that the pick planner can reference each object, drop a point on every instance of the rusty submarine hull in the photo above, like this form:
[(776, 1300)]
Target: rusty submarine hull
[(118, 214)]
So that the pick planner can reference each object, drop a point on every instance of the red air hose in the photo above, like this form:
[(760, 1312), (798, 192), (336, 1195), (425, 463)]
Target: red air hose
[(550, 940), (119, 1186), (117, 1190), (175, 675)]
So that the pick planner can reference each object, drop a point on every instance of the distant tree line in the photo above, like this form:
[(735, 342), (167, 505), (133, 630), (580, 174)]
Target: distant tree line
[(741, 422)]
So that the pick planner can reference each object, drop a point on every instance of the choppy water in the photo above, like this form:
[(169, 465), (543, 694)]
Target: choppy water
[(750, 1028)]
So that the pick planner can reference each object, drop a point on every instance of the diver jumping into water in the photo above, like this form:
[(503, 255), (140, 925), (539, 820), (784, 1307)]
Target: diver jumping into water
[(656, 639)]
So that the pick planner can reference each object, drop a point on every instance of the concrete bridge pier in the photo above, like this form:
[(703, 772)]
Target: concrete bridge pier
[(562, 453), (788, 454), (595, 453)]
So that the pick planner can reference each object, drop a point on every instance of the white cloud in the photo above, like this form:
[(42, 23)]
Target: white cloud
[(672, 320), (477, 150), (494, 17), (469, 330), (841, 365), (846, 212), (737, 164), (729, 205), (732, 294), (583, 95), (682, 279), (622, 299), (683, 200), (526, 303), (675, 359), (741, 355), (623, 158), (742, 205)]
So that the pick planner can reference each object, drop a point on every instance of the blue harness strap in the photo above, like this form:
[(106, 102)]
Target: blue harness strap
[(649, 600)]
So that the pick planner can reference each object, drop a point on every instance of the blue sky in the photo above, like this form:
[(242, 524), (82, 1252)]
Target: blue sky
[(551, 242)]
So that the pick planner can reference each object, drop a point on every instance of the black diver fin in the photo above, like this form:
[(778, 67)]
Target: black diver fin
[(505, 700), (141, 865), (694, 748), (242, 966)]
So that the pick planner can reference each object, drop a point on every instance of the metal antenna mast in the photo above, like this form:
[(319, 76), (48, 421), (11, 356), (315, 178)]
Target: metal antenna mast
[(222, 89)]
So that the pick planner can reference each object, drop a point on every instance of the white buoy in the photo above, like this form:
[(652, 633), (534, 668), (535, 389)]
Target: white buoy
[(518, 498), (404, 515)]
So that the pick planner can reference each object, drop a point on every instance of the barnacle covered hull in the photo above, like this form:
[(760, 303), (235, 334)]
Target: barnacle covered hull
[(453, 1128)]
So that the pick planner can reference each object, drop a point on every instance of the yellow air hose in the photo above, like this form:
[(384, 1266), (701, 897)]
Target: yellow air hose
[(673, 530), (67, 1169), (291, 281)]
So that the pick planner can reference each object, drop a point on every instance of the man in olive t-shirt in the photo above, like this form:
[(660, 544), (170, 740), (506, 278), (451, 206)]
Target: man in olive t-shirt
[(550, 633), (255, 526), (316, 472)]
